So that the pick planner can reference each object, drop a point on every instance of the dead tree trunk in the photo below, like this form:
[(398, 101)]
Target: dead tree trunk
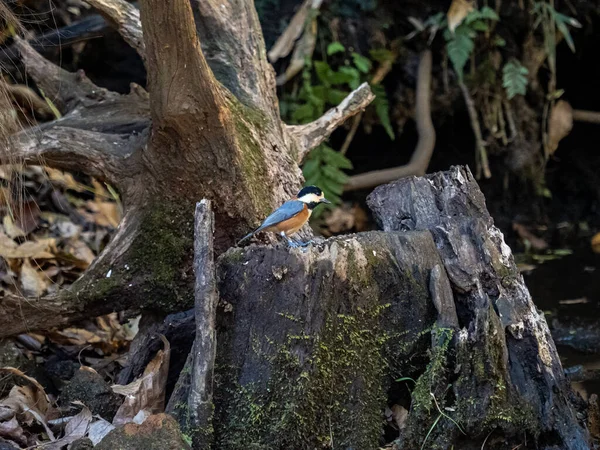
[(311, 344), (208, 128)]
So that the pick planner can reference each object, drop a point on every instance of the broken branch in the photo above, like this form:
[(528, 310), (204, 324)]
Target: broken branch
[(125, 18), (312, 134), (422, 155), (65, 89), (205, 345), (97, 154)]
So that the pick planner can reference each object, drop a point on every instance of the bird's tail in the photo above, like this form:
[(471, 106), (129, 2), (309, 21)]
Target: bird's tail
[(249, 235)]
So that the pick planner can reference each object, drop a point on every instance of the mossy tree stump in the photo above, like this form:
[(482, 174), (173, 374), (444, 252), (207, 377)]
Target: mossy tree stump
[(311, 343), (208, 127)]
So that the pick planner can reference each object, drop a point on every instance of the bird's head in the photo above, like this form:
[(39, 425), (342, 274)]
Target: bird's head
[(312, 196)]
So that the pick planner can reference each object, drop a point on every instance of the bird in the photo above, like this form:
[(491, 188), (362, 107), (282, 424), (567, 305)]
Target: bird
[(292, 215)]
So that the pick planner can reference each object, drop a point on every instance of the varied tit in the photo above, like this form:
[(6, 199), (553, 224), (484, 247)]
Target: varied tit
[(292, 215)]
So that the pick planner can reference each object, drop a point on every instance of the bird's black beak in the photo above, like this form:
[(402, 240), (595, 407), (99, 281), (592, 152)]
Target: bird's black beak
[(324, 200)]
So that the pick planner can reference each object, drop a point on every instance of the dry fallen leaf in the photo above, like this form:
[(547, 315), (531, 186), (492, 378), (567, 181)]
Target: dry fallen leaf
[(29, 402), (458, 11), (81, 252), (76, 428), (12, 430), (148, 392), (98, 430), (33, 282), (560, 124), (64, 179), (28, 249), (11, 229), (104, 214)]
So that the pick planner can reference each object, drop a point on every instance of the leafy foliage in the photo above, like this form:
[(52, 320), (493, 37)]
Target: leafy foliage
[(545, 13), (514, 78), (324, 168), (324, 86), (460, 44)]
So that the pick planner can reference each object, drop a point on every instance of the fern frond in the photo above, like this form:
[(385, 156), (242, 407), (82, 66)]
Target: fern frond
[(514, 78)]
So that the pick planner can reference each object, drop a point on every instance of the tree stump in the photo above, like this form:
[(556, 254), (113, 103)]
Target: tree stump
[(311, 344)]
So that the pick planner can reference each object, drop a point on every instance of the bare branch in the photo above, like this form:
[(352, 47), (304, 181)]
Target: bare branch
[(179, 79), (234, 47), (312, 134), (586, 116), (482, 157), (65, 89), (125, 18), (422, 155), (97, 154)]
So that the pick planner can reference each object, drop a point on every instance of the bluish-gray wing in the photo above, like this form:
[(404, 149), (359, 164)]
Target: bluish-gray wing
[(286, 211)]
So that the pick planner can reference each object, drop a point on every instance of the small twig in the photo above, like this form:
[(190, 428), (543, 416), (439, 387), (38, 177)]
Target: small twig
[(479, 142), (350, 136)]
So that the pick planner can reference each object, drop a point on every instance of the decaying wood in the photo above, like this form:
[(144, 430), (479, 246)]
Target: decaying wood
[(192, 399), (65, 89), (313, 133), (501, 361), (311, 342), (200, 400), (421, 156)]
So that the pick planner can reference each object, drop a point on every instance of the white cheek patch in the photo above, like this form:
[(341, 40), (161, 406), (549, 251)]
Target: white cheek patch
[(310, 198)]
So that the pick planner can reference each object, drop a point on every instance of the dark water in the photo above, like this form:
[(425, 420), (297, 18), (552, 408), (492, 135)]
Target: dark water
[(568, 291)]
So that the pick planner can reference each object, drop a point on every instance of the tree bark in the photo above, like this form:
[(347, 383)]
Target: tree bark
[(208, 128), (501, 366)]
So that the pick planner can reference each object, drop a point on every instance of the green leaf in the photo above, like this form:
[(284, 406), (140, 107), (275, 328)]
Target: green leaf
[(459, 48), (479, 25), (310, 167), (438, 20), (351, 76), (303, 113), (335, 96), (488, 13), (383, 110), (331, 187), (335, 174), (514, 78), (335, 47), (561, 23), (363, 64), (323, 72), (336, 159), (499, 42)]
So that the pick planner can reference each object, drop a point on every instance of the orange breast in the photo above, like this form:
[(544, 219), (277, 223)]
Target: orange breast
[(292, 225)]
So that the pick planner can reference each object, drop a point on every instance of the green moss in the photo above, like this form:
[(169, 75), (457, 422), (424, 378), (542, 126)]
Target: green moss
[(252, 156), (164, 247), (331, 398), (428, 382)]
